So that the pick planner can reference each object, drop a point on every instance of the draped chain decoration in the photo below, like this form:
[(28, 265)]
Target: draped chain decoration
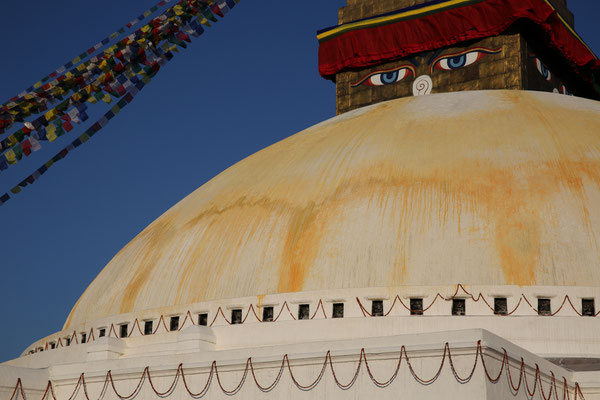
[(459, 291), (533, 388)]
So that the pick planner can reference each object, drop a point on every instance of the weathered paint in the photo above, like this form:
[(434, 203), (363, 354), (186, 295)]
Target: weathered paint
[(488, 187)]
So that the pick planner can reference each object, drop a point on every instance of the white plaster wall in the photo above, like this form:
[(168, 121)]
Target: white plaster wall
[(306, 360)]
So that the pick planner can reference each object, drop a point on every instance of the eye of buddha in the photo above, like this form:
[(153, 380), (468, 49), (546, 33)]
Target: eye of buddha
[(450, 62), (386, 77), (543, 69)]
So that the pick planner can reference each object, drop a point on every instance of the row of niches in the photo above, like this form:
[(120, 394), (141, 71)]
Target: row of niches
[(455, 305)]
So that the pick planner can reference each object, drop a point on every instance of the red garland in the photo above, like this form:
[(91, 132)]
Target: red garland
[(365, 312), (374, 45), (328, 362)]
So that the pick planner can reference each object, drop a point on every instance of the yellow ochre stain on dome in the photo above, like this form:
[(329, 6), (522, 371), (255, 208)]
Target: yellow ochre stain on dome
[(300, 249), (153, 245)]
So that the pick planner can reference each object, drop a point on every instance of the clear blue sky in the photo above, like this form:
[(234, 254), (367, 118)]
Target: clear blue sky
[(248, 82)]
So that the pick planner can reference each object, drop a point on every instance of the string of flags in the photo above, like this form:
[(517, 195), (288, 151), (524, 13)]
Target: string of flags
[(117, 73), (70, 64)]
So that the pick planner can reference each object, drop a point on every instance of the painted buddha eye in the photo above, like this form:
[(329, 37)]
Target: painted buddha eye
[(565, 91), (543, 69), (387, 77), (450, 62)]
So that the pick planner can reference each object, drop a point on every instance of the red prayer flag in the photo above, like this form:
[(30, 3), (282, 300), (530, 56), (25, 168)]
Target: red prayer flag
[(67, 126)]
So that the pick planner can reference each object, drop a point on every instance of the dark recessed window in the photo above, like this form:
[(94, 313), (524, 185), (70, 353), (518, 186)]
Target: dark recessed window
[(148, 327), (458, 307), (68, 341), (102, 332), (31, 351), (304, 311), (267, 314), (588, 308), (174, 323), (544, 307), (377, 308), (416, 306), (52, 345), (123, 330), (41, 349), (236, 316), (500, 306), (338, 310), (83, 337), (203, 319)]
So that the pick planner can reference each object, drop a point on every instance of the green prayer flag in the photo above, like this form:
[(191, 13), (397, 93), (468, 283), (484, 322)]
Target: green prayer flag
[(18, 151), (20, 135)]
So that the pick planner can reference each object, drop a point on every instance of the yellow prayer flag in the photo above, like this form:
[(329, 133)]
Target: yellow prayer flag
[(76, 96), (37, 85), (76, 60), (81, 67), (11, 157), (114, 35), (104, 66), (84, 137), (107, 99), (50, 115), (145, 28), (12, 140), (147, 13), (92, 100), (51, 133)]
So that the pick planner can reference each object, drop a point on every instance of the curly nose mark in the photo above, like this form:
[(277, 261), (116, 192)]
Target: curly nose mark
[(422, 85)]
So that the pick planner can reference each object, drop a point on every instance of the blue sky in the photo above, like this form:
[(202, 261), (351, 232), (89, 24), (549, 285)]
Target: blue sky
[(248, 82)]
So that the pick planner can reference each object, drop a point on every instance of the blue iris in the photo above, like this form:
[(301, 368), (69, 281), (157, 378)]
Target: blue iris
[(389, 77), (544, 71), (457, 62)]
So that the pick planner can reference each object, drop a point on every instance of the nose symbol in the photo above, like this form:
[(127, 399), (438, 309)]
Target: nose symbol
[(422, 85)]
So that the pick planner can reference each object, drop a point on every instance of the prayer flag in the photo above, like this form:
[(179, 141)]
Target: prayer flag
[(35, 145), (67, 126), (51, 133), (11, 157)]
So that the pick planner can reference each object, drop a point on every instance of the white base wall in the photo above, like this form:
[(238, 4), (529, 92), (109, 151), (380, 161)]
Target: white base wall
[(307, 362)]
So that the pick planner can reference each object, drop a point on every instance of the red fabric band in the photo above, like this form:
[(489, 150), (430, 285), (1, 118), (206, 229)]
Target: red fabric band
[(368, 46)]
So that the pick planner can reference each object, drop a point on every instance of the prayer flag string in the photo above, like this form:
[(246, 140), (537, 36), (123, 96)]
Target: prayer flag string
[(70, 64), (120, 73)]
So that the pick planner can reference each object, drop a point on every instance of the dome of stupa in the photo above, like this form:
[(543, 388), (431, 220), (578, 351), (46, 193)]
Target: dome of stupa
[(480, 188)]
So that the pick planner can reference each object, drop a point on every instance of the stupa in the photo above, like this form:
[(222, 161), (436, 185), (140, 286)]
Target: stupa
[(440, 237)]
